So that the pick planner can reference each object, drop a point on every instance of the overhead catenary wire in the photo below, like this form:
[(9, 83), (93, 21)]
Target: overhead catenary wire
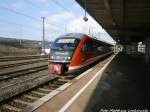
[(14, 23), (19, 13), (32, 4), (54, 1), (25, 15), (32, 18), (60, 5), (27, 26), (22, 26)]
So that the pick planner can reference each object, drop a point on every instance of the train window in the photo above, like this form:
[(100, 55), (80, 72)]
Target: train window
[(94, 46), (100, 48), (65, 40), (65, 43), (87, 47), (84, 48)]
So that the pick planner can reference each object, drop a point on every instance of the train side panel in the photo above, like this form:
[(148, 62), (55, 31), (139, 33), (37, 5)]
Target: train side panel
[(87, 52), (77, 58)]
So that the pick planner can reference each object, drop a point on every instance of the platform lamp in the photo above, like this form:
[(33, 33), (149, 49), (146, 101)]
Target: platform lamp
[(85, 17)]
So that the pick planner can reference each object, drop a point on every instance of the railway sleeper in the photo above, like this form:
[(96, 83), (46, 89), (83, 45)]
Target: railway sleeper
[(53, 86), (29, 98), (10, 92), (49, 87), (64, 80), (43, 90), (58, 82), (37, 94), (9, 108), (67, 77), (19, 103)]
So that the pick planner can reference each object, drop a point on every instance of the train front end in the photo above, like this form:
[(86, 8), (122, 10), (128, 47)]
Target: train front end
[(61, 54)]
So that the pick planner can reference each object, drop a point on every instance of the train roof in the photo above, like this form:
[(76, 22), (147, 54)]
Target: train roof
[(75, 35), (80, 35), (102, 41)]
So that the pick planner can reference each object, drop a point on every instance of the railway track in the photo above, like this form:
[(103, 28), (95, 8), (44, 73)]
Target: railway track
[(21, 74), (32, 89), (24, 83), (14, 58), (23, 86), (18, 63), (13, 74), (22, 69)]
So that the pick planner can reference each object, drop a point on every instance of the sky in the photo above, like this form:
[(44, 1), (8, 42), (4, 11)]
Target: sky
[(23, 19)]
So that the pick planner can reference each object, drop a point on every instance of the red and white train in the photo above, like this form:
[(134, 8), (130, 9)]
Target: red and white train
[(74, 51)]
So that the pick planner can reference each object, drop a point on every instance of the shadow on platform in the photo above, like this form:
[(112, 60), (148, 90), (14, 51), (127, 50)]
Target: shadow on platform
[(125, 84)]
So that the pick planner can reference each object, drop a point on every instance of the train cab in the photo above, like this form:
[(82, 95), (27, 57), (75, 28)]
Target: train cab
[(61, 53)]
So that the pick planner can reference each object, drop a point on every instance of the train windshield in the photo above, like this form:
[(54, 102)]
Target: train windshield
[(65, 43)]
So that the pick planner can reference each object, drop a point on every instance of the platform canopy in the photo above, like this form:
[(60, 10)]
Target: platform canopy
[(125, 20)]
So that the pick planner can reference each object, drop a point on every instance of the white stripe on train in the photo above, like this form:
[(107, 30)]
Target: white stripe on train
[(89, 61)]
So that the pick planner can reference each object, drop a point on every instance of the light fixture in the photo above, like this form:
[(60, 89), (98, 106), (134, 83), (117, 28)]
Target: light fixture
[(85, 18)]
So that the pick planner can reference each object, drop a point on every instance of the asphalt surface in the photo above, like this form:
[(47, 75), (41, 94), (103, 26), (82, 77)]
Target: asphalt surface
[(123, 86)]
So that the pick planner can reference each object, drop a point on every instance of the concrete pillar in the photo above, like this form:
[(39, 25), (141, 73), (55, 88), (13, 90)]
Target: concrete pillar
[(136, 47), (125, 48), (147, 51)]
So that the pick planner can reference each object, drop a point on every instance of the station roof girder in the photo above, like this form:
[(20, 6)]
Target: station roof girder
[(124, 20)]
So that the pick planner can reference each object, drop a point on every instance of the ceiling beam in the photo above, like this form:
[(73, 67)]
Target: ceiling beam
[(126, 28), (123, 12), (108, 9)]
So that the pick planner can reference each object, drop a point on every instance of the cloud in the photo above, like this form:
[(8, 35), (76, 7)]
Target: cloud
[(65, 22), (79, 25), (55, 19), (53, 22), (91, 27)]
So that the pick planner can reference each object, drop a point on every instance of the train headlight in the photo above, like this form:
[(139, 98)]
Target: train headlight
[(52, 57), (68, 58)]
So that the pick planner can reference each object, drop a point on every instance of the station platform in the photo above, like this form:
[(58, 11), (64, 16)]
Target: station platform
[(122, 83)]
